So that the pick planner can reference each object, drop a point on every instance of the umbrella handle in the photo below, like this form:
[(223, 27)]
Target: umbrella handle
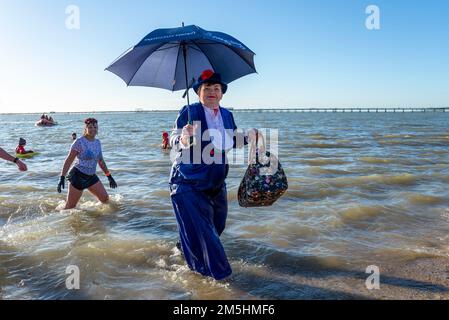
[(192, 141), (188, 88), (189, 118)]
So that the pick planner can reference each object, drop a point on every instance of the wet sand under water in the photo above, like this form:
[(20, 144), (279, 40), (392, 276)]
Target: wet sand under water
[(33, 267), (421, 278)]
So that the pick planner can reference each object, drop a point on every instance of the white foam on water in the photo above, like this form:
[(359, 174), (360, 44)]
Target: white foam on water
[(94, 206), (161, 263), (32, 230), (175, 253)]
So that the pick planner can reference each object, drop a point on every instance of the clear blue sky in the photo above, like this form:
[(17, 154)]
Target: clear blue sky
[(309, 53)]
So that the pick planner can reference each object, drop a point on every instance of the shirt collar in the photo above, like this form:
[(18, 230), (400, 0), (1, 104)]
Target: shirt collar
[(210, 111)]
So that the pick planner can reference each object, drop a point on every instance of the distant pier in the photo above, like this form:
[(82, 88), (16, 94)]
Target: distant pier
[(348, 110)]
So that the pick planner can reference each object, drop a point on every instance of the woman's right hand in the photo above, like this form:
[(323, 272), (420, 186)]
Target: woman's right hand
[(61, 184), (187, 132)]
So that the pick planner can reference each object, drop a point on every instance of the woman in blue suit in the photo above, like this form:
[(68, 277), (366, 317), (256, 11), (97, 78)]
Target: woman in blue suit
[(197, 179)]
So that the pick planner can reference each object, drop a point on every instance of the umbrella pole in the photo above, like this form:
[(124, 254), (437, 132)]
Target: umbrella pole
[(189, 118), (184, 52)]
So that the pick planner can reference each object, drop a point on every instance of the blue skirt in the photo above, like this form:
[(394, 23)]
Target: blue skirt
[(201, 218)]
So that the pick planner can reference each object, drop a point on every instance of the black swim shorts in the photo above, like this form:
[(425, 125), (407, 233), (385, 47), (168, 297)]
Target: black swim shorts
[(80, 180)]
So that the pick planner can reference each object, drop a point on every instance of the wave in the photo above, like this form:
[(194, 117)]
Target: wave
[(407, 254), (423, 199), (19, 187), (316, 136), (95, 206), (323, 162), (13, 210), (40, 175), (282, 234), (160, 193), (414, 143), (363, 213), (128, 251), (309, 154), (311, 193), (375, 160), (327, 146), (33, 230), (444, 178), (318, 170), (405, 179), (59, 223), (396, 136)]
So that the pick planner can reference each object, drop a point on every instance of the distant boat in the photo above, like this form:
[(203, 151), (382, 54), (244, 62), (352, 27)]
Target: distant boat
[(45, 123)]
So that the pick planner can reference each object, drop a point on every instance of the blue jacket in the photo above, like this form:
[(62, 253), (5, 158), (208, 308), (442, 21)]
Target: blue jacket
[(197, 174)]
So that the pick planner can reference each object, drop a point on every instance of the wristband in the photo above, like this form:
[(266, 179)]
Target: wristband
[(107, 174), (15, 160)]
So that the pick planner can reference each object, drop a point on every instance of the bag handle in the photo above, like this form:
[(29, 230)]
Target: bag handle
[(257, 149), (257, 146)]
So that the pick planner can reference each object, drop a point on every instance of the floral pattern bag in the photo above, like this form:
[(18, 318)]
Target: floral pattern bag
[(264, 181)]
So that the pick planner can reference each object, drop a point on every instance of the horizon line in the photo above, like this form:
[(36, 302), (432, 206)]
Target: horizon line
[(139, 110)]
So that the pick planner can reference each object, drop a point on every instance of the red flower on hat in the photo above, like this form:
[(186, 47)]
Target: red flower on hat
[(207, 74)]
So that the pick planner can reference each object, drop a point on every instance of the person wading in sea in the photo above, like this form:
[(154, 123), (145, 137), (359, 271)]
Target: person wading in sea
[(87, 151), (198, 190)]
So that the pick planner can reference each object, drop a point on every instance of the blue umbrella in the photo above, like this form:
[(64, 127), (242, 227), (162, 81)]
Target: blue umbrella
[(168, 58)]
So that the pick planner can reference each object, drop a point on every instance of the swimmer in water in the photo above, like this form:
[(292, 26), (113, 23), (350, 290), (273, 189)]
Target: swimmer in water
[(87, 151), (20, 149)]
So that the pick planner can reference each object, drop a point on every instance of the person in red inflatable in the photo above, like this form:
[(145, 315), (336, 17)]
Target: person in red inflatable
[(165, 141), (21, 147)]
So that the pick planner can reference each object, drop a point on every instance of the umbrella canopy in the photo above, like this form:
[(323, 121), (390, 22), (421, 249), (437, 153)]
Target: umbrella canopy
[(171, 58)]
